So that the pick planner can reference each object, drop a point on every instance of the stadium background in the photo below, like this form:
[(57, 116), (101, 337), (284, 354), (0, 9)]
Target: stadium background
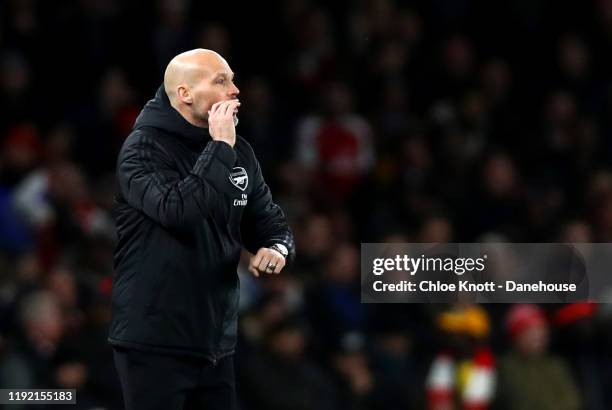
[(420, 121)]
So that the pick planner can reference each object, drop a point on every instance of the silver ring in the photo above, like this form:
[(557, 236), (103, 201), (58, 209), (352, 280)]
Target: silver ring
[(270, 267)]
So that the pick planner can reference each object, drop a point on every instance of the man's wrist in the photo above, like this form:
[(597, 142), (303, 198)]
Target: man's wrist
[(280, 248)]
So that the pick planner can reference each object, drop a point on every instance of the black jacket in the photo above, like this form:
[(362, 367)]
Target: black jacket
[(185, 207)]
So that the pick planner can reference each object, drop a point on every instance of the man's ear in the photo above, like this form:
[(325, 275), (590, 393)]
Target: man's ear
[(184, 95)]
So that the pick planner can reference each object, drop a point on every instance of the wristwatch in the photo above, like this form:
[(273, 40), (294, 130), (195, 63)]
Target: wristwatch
[(280, 248)]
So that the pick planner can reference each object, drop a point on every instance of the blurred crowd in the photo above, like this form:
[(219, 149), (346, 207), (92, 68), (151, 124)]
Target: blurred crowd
[(374, 121)]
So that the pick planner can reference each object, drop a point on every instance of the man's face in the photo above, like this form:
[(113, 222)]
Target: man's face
[(533, 341), (216, 83)]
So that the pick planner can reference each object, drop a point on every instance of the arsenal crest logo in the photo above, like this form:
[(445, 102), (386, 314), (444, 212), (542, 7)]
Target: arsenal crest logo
[(239, 178)]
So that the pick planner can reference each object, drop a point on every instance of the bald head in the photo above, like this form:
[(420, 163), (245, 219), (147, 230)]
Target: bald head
[(196, 79), (187, 68)]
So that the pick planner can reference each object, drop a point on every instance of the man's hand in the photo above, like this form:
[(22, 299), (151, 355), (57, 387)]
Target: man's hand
[(221, 121), (266, 260)]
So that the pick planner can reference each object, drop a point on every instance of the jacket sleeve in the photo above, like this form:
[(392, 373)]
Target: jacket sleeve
[(263, 222), (150, 182)]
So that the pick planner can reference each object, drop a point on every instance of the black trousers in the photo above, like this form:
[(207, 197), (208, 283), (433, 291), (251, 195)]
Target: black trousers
[(153, 381)]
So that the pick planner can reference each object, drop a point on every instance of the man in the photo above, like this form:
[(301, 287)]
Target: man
[(530, 377), (190, 196)]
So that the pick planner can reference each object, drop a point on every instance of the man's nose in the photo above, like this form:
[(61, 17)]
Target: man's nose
[(234, 91)]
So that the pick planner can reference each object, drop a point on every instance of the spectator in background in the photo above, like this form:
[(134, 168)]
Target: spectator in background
[(496, 201), (62, 283), (456, 67), (575, 331), (575, 74), (603, 340), (350, 367), (462, 375), (334, 303), (27, 363), (214, 36), (15, 89), (316, 57), (104, 121), (603, 218), (314, 236), (280, 377), (171, 35), (55, 202), (396, 345), (21, 152), (599, 205), (336, 146), (435, 229), (267, 134), (529, 377), (575, 232), (496, 85)]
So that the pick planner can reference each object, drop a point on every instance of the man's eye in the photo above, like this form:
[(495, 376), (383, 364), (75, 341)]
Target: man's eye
[(220, 81)]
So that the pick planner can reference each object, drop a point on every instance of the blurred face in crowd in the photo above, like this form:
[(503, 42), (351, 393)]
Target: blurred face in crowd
[(338, 99), (496, 79), (458, 56), (14, 74), (66, 182), (41, 318), (533, 341), (561, 108), (354, 368), (62, 284), (343, 266), (499, 175), (197, 79), (316, 237), (71, 375), (288, 343), (576, 232), (436, 229), (573, 56), (20, 146)]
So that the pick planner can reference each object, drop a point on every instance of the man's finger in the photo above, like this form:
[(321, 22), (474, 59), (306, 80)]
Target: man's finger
[(263, 265), (275, 264), (223, 107), (255, 260), (216, 106), (229, 108), (254, 271), (216, 109), (280, 266), (280, 263), (253, 267)]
